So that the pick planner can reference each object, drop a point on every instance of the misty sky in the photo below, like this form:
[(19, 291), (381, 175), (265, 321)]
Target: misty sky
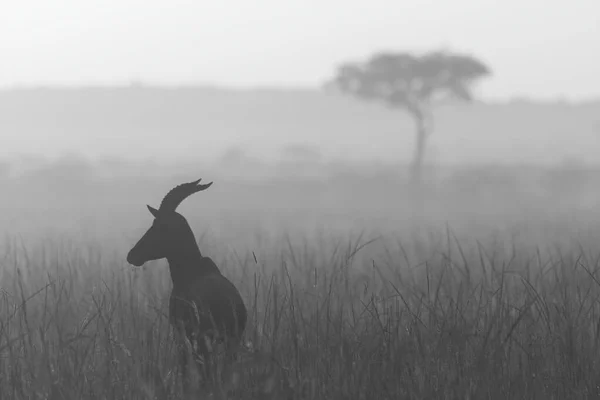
[(537, 48)]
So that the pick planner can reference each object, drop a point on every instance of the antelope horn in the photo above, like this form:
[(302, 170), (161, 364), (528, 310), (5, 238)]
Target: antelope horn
[(179, 193)]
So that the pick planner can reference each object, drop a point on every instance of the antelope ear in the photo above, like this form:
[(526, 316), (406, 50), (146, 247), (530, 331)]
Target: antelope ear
[(153, 211)]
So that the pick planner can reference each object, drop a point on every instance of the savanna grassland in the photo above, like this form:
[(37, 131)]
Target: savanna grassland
[(351, 293)]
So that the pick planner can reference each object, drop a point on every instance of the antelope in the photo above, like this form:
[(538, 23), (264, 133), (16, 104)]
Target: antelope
[(204, 306)]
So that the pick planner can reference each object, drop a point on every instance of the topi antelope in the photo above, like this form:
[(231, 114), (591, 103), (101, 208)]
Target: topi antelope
[(204, 307)]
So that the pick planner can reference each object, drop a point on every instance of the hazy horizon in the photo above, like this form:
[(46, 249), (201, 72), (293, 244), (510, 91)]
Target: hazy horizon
[(180, 125), (538, 50)]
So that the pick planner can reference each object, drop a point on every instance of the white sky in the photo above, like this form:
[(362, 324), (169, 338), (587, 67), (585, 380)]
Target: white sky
[(537, 48)]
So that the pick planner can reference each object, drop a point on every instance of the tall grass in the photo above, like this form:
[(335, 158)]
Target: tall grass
[(430, 316)]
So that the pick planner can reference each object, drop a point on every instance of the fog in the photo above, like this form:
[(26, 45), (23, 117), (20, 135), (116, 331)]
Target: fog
[(102, 111), (405, 199), (200, 123), (106, 200), (539, 49)]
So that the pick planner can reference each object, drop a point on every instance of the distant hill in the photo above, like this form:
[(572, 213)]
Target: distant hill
[(201, 123)]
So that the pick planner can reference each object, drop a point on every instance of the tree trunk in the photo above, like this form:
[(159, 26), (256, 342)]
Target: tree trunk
[(419, 155)]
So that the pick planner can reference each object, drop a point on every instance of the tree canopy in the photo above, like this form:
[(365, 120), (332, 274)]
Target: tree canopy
[(408, 81)]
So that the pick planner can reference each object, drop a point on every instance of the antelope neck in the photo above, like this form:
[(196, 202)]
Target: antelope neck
[(186, 265)]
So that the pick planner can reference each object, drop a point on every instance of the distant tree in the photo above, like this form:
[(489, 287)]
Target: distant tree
[(411, 83)]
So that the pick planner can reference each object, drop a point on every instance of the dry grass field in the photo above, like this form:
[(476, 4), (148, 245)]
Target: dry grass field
[(343, 304)]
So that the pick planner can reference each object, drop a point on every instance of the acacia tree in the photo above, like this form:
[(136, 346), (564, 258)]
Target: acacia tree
[(411, 83)]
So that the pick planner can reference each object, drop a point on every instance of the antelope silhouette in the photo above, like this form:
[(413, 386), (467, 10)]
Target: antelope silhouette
[(204, 306)]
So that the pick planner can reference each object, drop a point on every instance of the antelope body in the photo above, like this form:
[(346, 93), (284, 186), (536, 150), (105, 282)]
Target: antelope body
[(204, 306)]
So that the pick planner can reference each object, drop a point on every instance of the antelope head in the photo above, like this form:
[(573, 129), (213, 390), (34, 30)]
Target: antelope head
[(170, 233)]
